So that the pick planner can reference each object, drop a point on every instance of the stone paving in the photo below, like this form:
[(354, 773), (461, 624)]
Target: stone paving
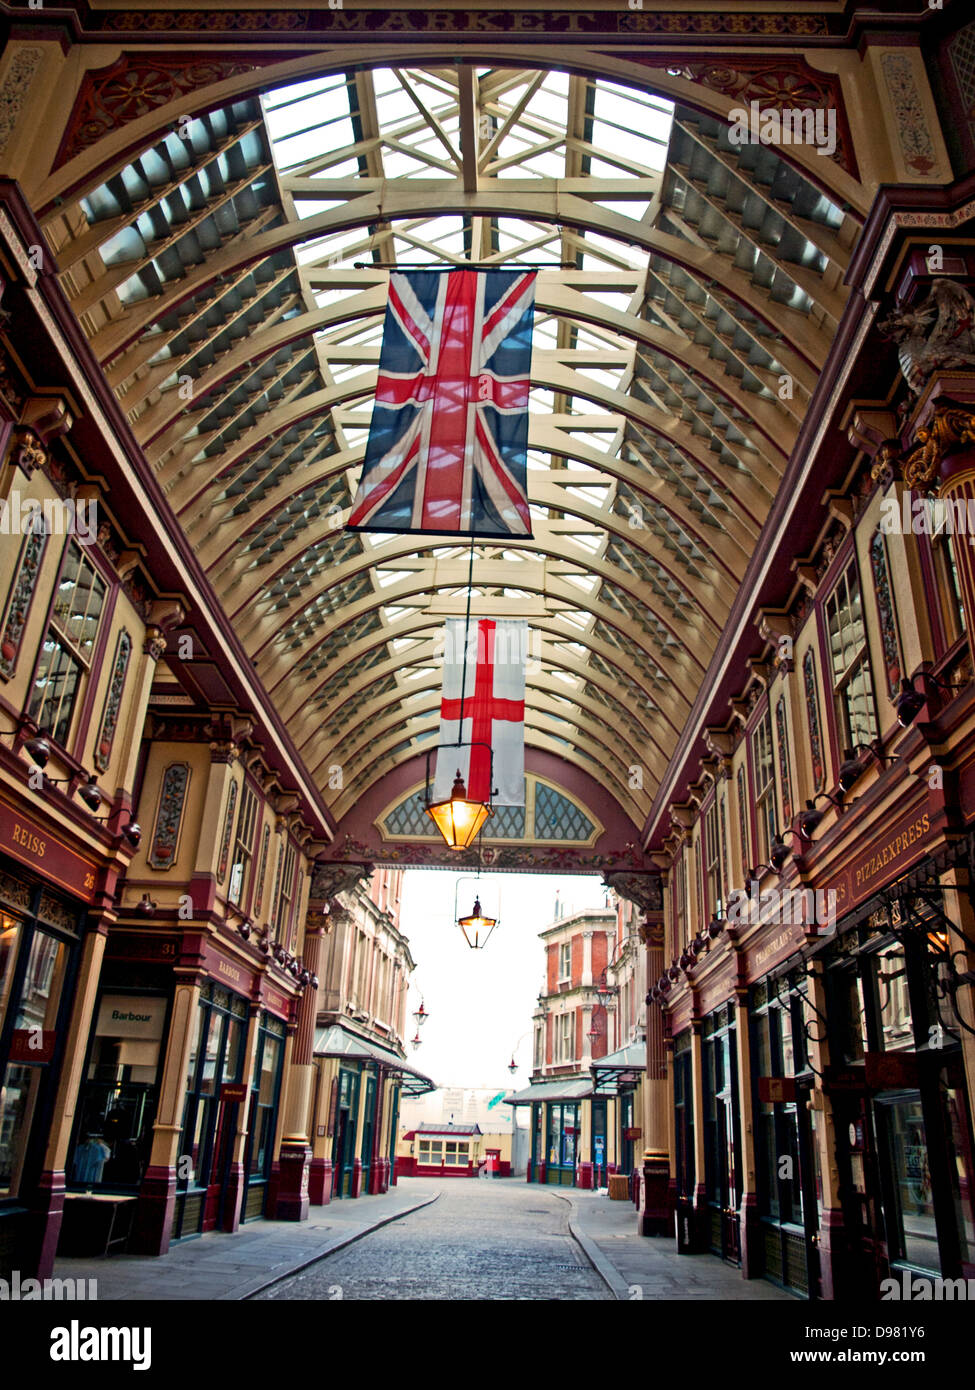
[(230, 1267), (649, 1268), (433, 1240), (481, 1239)]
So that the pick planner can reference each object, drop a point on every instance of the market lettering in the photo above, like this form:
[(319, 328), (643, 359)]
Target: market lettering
[(229, 971), (894, 848), (772, 947), (27, 840)]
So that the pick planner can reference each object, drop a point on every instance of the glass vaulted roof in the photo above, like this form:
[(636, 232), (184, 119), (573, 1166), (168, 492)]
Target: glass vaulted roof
[(232, 280)]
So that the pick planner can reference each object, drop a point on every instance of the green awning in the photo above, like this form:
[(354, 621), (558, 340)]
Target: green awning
[(337, 1041), (570, 1089), (619, 1071)]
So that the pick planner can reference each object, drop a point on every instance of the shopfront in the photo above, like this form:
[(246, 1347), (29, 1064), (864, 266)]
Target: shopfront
[(722, 1142), (617, 1079), (786, 1156), (562, 1143), (684, 1154), (112, 1137), (265, 1096), (214, 1091), (41, 936), (897, 1085), (360, 1083)]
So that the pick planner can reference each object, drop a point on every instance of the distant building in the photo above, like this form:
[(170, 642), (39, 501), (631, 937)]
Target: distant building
[(452, 1151), (359, 1043), (584, 1081)]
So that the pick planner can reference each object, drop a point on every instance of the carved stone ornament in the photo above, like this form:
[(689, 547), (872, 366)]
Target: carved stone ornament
[(645, 890), (328, 880), (938, 335)]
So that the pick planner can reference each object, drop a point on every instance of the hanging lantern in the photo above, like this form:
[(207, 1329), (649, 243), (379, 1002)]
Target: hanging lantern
[(512, 1066), (475, 925), (421, 1014), (460, 818), (417, 1039)]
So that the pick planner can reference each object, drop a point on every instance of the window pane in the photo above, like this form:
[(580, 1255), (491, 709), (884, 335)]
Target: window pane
[(9, 936), (18, 1096), (41, 994), (55, 687), (912, 1232)]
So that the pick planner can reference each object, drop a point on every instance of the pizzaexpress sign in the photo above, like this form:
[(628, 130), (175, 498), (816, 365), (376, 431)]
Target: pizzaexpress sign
[(889, 855)]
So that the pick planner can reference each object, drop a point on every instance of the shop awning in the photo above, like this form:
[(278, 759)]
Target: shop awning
[(619, 1071), (570, 1089), (336, 1041)]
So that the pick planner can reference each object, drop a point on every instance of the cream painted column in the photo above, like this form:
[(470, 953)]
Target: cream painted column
[(222, 758), (749, 1228), (157, 1195), (701, 1215), (831, 1237), (586, 958), (586, 1058), (958, 909)]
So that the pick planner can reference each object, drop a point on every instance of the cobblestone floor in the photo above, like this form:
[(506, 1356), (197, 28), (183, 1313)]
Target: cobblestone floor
[(479, 1240)]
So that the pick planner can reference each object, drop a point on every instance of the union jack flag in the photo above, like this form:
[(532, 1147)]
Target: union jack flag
[(448, 442)]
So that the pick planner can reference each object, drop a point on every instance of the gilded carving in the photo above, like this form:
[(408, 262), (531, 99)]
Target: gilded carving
[(946, 344)]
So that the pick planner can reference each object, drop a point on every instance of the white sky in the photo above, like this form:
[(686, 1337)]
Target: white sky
[(481, 1002)]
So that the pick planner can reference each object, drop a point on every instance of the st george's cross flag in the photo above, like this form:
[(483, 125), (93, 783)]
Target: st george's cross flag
[(494, 711), (448, 442)]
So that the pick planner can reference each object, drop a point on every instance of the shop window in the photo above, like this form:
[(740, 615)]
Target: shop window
[(9, 932), (265, 1093), (778, 1036), (722, 1173), (847, 1015), (894, 1022), (117, 1101), (35, 962), (243, 846), (563, 1130), (763, 771), (216, 1056), (68, 646), (846, 636), (684, 1108)]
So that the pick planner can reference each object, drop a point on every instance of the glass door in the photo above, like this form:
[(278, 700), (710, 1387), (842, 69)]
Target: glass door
[(209, 1123), (368, 1130), (343, 1152), (722, 1173), (599, 1143)]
